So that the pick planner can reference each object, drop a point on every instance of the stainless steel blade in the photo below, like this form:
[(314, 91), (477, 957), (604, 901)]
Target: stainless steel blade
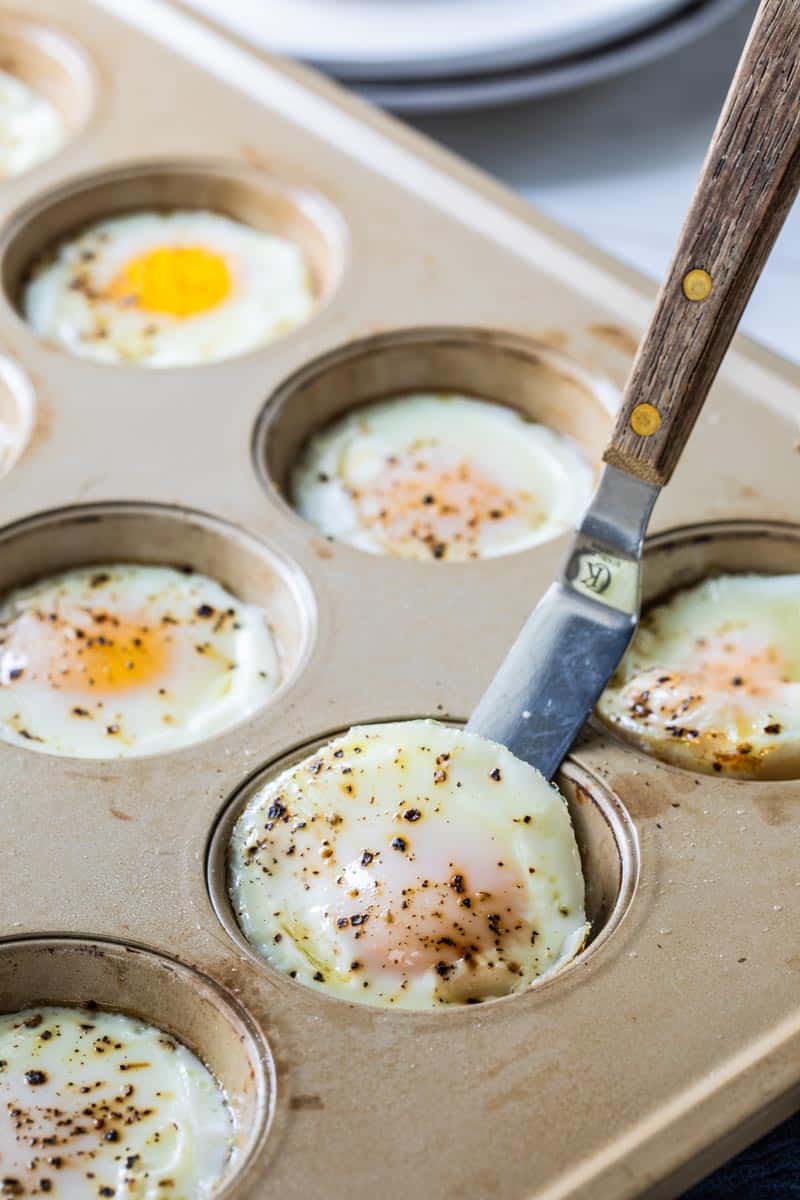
[(574, 639)]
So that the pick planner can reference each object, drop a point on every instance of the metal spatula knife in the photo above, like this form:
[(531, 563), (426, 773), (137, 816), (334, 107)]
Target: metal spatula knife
[(575, 638)]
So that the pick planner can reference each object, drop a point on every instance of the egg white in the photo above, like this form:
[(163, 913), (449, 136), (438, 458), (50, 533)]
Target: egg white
[(410, 865), (17, 412), (544, 474), (31, 128), (82, 1064), (712, 679), (221, 666), (66, 299)]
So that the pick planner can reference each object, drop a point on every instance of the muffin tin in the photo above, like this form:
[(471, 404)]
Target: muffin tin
[(675, 1037)]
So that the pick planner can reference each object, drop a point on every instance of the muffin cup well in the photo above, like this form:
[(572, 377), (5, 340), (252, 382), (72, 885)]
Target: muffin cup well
[(605, 835), (136, 981), (681, 558), (539, 382), (130, 532), (51, 64), (299, 215)]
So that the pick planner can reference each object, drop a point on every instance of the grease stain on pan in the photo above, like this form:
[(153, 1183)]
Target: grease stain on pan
[(775, 809), (309, 1103)]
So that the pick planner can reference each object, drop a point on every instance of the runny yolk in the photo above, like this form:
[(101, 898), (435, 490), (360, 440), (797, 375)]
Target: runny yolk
[(93, 653), (178, 281)]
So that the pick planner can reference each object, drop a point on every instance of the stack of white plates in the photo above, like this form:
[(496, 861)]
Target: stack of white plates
[(427, 55)]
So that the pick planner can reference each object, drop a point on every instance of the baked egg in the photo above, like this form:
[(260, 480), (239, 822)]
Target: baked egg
[(411, 865), (711, 681), (31, 128), (168, 289), (98, 1104), (435, 476), (129, 659)]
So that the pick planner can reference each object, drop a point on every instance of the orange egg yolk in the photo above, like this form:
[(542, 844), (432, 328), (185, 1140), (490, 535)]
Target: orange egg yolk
[(432, 907), (758, 670), (732, 663), (175, 281), (443, 506), (91, 653)]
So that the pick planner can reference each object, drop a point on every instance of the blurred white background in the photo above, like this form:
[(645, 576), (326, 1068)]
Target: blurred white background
[(618, 162)]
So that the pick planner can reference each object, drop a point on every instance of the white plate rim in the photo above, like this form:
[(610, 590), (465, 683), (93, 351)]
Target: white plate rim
[(411, 39), (494, 90)]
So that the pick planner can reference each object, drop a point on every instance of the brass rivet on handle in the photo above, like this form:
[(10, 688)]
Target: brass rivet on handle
[(645, 419), (697, 284)]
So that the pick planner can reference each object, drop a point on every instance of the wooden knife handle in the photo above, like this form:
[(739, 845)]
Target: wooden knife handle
[(748, 183)]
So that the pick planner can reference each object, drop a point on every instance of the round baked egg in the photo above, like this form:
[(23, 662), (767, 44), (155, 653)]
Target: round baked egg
[(99, 1104), (439, 477), (129, 659), (711, 681), (31, 128), (168, 289), (409, 865)]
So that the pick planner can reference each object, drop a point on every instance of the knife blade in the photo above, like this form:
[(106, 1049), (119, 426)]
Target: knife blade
[(574, 639)]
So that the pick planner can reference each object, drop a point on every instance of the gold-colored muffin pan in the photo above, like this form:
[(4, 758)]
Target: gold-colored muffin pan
[(674, 1038)]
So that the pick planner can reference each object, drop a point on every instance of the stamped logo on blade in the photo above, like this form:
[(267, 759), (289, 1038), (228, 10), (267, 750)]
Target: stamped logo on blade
[(604, 577)]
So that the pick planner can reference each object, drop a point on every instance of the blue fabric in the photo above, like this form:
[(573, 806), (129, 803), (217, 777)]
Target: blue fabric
[(768, 1170)]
